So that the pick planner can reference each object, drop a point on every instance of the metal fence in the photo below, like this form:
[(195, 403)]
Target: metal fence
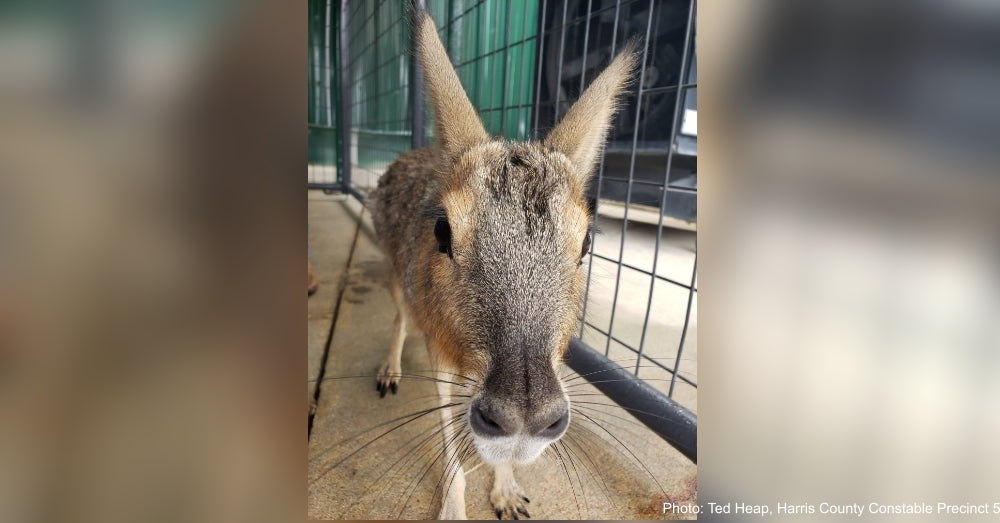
[(324, 94), (523, 63)]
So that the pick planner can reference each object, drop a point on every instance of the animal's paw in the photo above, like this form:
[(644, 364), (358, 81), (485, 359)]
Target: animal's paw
[(509, 502), (387, 379)]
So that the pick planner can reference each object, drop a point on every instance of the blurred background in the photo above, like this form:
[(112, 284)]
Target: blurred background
[(849, 230), (152, 232), (152, 225)]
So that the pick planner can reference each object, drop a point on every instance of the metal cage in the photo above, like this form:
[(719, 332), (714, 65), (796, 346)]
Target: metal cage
[(523, 63)]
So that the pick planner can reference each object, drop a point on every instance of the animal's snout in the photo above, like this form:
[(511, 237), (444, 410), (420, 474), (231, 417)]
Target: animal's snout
[(521, 408), (493, 420), (555, 424), (491, 424)]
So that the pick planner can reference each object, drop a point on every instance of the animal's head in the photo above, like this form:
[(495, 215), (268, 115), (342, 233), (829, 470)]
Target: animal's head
[(507, 240)]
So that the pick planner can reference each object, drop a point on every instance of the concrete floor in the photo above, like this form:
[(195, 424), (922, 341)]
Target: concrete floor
[(365, 465)]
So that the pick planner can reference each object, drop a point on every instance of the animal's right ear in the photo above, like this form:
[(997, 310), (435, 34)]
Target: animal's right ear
[(580, 135), (456, 123)]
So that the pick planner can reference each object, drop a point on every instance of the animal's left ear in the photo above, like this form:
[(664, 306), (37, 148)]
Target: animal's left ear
[(581, 133)]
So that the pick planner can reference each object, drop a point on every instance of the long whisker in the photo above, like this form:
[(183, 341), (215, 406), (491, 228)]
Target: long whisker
[(416, 377), (579, 480), (380, 436), (582, 384), (630, 409), (453, 465), (592, 467), (458, 440), (569, 480), (426, 469), (369, 429), (411, 456), (572, 375), (632, 422), (627, 449)]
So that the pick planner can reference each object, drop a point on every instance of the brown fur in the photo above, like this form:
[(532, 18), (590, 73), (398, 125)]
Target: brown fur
[(581, 132), (500, 306), (409, 189)]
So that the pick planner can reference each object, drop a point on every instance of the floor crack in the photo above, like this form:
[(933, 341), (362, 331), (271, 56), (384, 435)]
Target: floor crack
[(333, 324)]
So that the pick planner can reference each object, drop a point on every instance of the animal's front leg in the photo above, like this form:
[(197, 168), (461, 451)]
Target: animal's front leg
[(453, 505), (506, 496), (390, 372)]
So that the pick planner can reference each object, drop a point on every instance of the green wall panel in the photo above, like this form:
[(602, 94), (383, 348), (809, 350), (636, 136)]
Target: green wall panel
[(492, 42)]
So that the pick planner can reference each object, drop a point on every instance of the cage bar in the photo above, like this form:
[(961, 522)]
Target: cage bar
[(530, 49)]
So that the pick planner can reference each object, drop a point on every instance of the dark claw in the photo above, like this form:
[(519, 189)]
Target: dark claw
[(382, 391), (514, 515), (526, 500), (524, 512), (499, 513), (393, 388)]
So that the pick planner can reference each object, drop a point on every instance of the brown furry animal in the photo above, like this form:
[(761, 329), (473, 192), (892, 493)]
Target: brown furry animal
[(485, 238)]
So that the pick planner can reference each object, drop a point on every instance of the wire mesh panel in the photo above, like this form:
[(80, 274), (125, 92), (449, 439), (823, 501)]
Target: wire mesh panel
[(323, 95), (492, 44), (641, 290), (377, 87), (523, 64)]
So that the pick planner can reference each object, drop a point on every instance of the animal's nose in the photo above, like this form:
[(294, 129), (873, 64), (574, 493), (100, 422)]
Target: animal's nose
[(496, 422), (490, 422), (551, 424)]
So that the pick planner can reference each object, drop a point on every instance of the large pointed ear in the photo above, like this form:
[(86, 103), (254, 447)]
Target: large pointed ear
[(581, 133), (456, 123)]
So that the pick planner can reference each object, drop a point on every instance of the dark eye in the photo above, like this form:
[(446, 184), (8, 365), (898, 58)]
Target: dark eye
[(586, 246), (442, 231)]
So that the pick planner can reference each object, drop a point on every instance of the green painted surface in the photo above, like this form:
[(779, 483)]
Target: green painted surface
[(492, 43), (324, 100)]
